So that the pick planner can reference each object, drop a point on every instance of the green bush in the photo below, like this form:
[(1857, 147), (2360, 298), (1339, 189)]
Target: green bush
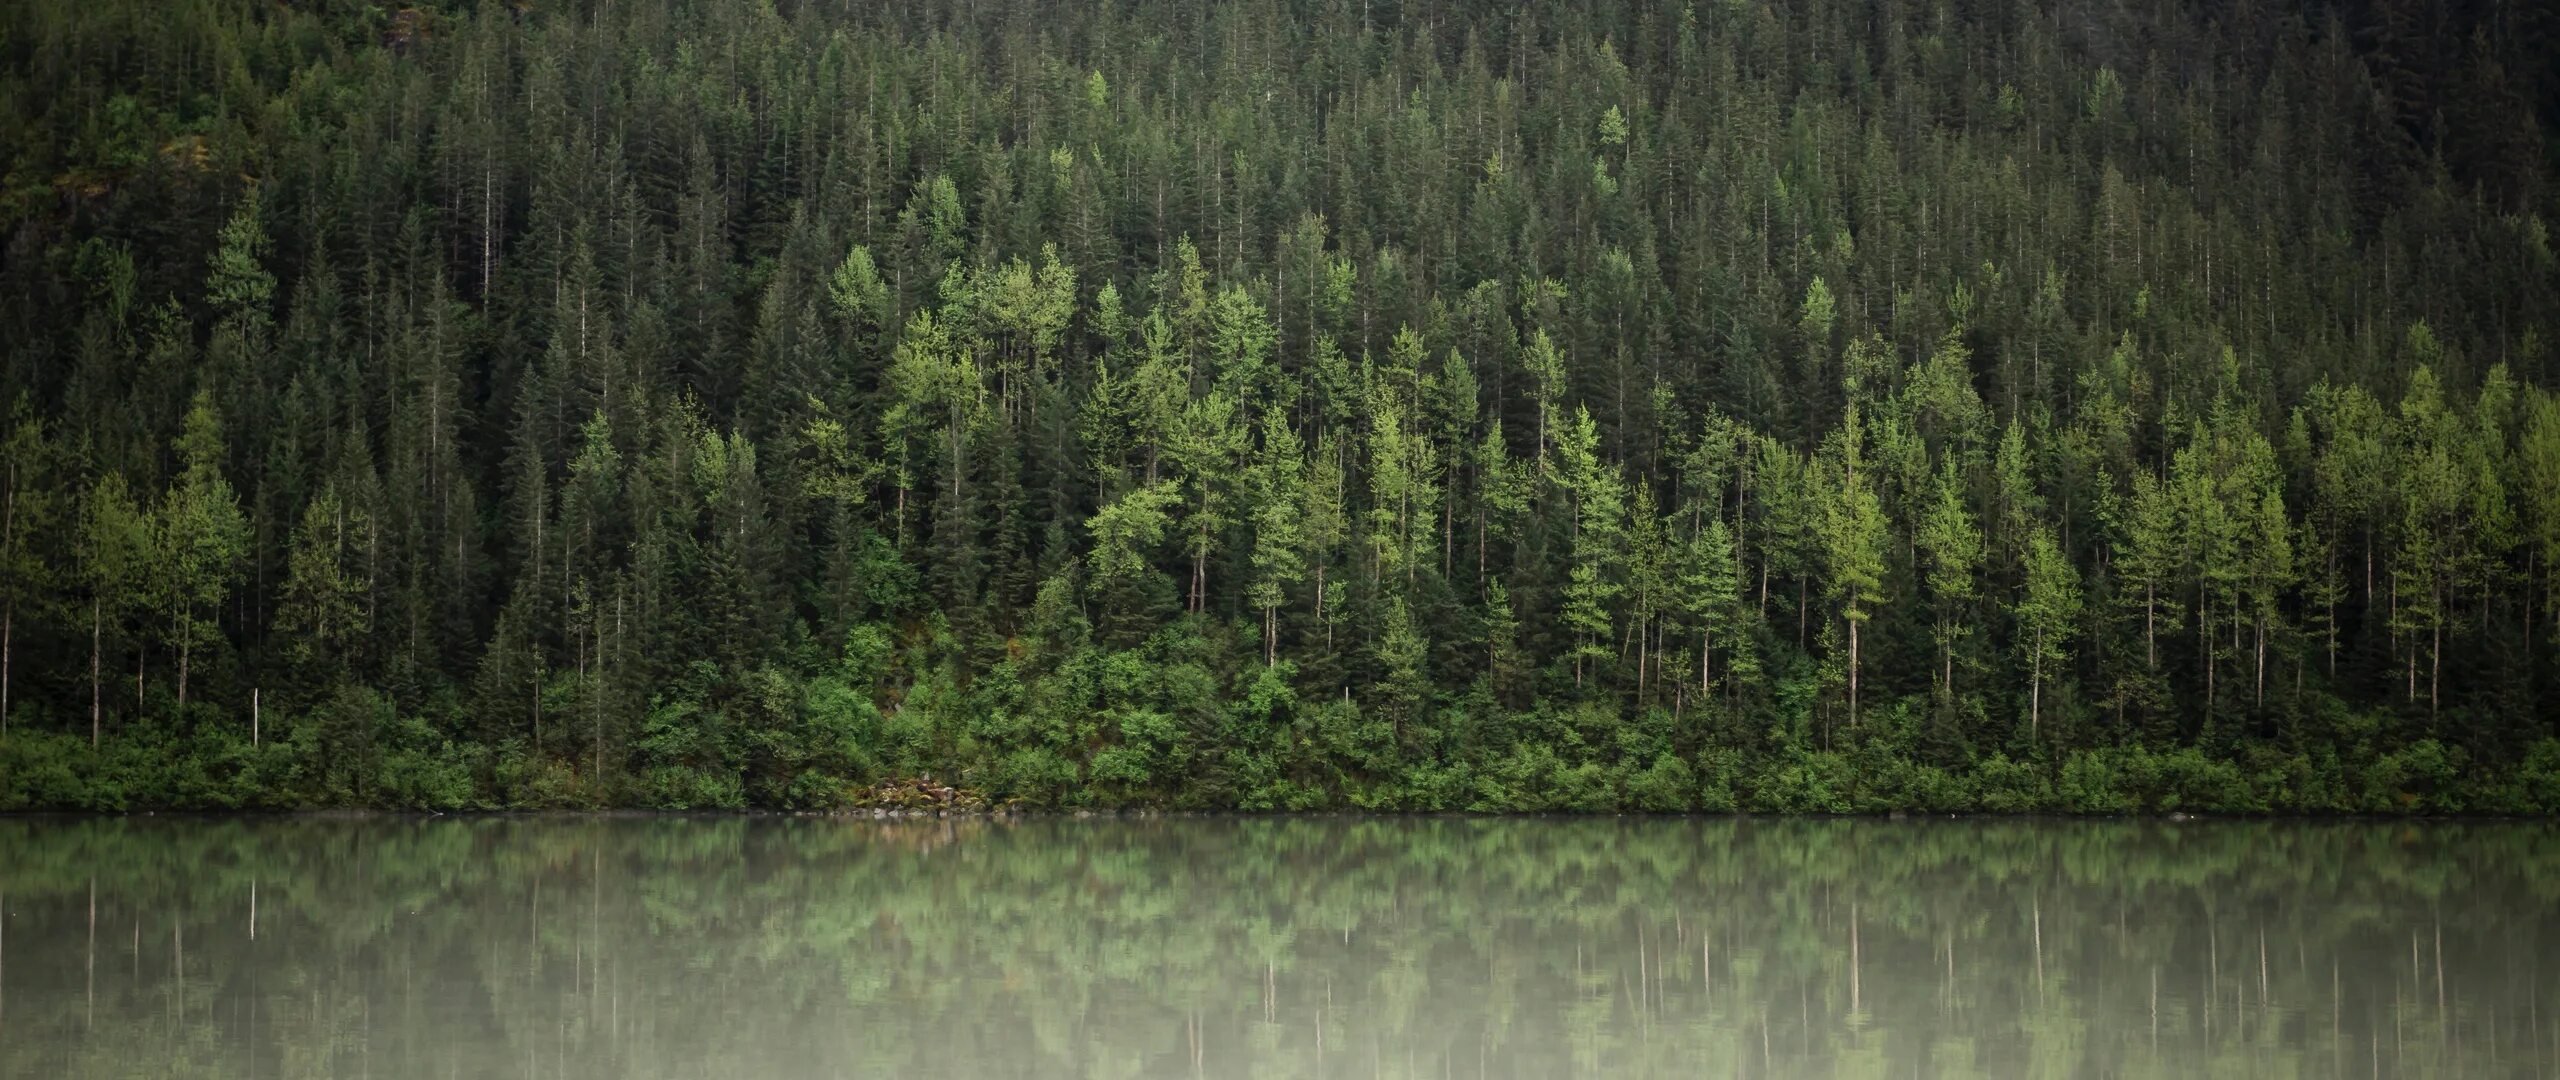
[(419, 778), (2009, 787), (1668, 785), (1804, 783), (677, 787), (2420, 777), (2093, 782), (48, 770)]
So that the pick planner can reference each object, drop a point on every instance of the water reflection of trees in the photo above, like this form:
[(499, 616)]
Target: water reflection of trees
[(730, 946)]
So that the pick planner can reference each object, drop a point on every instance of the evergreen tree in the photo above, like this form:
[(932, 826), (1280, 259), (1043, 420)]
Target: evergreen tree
[(1279, 497), (2048, 614), (323, 602), (1711, 594), (28, 516), (1947, 538), (204, 539), (1593, 585), (118, 553), (1856, 540)]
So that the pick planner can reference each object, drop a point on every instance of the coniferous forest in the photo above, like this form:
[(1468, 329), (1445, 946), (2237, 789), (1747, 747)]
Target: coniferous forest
[(1281, 404)]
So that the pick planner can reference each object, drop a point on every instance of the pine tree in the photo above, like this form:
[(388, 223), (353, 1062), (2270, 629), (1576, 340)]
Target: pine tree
[(323, 606), (1206, 447), (1855, 548), (935, 391), (1324, 524), (1404, 473), (1124, 584), (1505, 663), (1278, 498), (1947, 538), (2424, 565), (2271, 572), (1599, 501), (1711, 594), (2149, 564), (2048, 614), (2538, 459), (118, 553), (860, 297), (28, 517), (1546, 369), (1404, 680), (204, 539)]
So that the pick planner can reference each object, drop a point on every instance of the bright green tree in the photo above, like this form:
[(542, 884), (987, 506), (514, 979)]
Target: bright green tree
[(1855, 537), (1711, 595), (1952, 546), (1279, 534), (1124, 532), (118, 552), (1599, 504), (204, 538), (1404, 675), (323, 604), (2048, 614)]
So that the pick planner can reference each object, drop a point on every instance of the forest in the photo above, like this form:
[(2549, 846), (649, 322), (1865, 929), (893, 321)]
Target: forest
[(1435, 405)]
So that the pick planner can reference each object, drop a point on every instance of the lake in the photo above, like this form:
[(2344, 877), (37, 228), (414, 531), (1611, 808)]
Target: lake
[(1315, 947)]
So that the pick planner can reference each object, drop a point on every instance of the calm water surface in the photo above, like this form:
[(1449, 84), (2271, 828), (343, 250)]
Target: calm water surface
[(764, 947)]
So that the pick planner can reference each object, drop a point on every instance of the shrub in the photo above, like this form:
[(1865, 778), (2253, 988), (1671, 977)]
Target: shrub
[(1666, 786), (2009, 787), (2092, 783), (1803, 783)]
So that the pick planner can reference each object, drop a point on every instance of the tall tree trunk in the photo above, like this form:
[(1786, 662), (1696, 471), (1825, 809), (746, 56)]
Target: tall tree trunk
[(2368, 574), (1804, 586), (1481, 590), (488, 227), (97, 635), (2035, 690), (9, 612), (1853, 673), (1644, 650), (2150, 619), (2435, 671), (2204, 644), (1947, 671), (595, 713), (2332, 615), (2261, 693)]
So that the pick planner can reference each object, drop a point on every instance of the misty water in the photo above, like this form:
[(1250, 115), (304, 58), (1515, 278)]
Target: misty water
[(1343, 947)]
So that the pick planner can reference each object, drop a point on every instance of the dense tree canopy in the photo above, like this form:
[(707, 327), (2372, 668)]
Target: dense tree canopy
[(1280, 404)]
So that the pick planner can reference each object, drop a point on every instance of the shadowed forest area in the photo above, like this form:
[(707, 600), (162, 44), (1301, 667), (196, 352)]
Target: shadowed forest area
[(1281, 404)]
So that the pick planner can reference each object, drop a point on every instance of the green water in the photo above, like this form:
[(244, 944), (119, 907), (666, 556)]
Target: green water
[(766, 947)]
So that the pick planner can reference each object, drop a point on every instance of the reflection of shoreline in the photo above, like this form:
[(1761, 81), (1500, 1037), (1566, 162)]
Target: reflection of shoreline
[(48, 853), (1018, 946)]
